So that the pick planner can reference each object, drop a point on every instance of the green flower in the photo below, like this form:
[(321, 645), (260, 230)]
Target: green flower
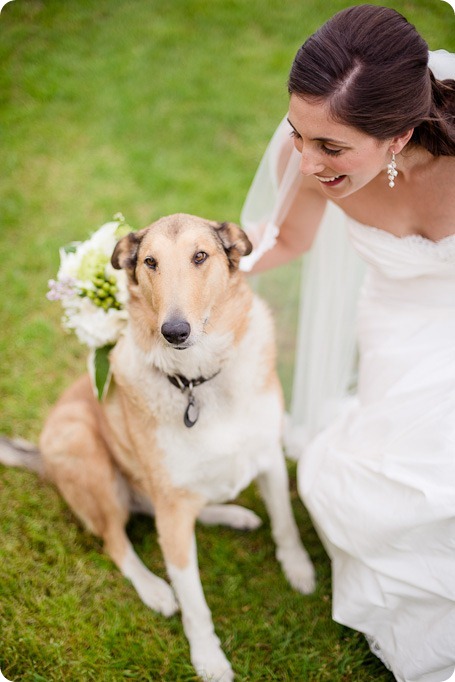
[(92, 264)]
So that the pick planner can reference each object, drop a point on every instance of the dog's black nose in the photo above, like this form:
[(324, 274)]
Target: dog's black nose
[(176, 331)]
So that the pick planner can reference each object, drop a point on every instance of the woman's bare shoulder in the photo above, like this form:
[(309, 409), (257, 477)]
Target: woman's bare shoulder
[(420, 203)]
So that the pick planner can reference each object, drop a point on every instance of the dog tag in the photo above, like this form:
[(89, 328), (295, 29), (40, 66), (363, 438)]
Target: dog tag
[(192, 412)]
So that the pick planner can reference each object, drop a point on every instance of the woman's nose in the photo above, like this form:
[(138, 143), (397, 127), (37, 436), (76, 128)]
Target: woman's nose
[(310, 162)]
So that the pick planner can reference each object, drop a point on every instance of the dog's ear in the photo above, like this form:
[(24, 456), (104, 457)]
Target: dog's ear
[(124, 256), (235, 242)]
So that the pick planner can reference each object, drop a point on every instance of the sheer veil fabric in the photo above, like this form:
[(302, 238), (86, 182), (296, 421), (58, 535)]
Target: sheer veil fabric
[(332, 274), (331, 277)]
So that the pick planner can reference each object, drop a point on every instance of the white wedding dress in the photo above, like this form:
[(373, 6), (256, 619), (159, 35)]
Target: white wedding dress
[(379, 482), (377, 469)]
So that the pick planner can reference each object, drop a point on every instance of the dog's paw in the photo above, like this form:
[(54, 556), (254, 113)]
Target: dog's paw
[(157, 594), (210, 662), (298, 569), (232, 515)]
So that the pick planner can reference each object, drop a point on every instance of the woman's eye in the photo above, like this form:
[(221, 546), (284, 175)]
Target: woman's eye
[(150, 262), (200, 257), (295, 135), (330, 152)]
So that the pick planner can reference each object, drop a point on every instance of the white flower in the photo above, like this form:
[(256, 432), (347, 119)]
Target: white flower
[(98, 249), (94, 326), (93, 294)]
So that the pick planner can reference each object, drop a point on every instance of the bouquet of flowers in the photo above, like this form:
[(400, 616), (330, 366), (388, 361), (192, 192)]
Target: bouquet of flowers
[(93, 296)]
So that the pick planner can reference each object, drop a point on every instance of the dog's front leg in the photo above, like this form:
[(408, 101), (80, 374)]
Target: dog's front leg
[(294, 560), (177, 539)]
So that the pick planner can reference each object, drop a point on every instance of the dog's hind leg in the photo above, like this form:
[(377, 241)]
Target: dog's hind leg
[(175, 520), (153, 591), (231, 515), (78, 462)]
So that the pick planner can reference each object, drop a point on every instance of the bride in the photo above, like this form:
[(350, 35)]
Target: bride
[(373, 129)]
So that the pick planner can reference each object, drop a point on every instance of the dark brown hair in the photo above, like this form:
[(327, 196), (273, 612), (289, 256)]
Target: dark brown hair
[(371, 65)]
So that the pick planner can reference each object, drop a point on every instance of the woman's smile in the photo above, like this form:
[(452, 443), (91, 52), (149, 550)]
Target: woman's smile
[(330, 181)]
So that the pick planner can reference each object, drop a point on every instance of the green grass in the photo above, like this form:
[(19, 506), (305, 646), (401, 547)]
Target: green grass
[(146, 107)]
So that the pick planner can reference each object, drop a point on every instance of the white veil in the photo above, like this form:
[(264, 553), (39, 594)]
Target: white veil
[(332, 274)]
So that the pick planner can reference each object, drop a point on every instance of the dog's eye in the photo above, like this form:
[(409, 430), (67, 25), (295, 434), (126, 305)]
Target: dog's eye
[(150, 263), (200, 257)]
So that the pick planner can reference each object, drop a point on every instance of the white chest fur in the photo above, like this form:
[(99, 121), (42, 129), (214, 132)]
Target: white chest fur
[(229, 445)]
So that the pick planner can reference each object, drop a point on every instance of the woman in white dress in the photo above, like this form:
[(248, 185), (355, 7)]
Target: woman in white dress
[(373, 129)]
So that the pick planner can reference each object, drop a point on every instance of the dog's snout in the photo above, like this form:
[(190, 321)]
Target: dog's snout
[(176, 331)]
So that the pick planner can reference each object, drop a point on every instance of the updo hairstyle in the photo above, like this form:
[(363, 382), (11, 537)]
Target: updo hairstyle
[(371, 65)]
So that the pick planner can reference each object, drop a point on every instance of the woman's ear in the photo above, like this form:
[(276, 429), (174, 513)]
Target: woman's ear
[(400, 141)]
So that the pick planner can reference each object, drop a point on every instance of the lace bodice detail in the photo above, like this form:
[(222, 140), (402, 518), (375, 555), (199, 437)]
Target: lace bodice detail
[(403, 257), (410, 268)]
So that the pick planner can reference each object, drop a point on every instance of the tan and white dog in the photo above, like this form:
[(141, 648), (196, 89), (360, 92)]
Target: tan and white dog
[(193, 414)]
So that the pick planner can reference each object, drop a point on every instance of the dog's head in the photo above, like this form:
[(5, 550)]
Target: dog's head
[(180, 270)]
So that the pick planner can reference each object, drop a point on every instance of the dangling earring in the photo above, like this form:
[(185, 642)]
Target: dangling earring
[(392, 171)]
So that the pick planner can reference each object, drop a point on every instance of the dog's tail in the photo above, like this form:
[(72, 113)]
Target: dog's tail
[(20, 453)]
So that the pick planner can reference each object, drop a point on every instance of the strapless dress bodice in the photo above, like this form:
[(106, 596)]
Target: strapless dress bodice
[(409, 269)]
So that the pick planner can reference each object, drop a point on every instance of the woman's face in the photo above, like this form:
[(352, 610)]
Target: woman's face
[(341, 158)]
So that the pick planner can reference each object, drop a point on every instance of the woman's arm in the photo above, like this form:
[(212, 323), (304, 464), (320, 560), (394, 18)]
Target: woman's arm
[(297, 229)]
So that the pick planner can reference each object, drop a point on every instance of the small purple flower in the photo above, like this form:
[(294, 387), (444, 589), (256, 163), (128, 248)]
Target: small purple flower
[(63, 288)]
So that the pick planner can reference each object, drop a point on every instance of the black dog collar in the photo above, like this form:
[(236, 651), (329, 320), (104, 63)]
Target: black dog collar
[(192, 410)]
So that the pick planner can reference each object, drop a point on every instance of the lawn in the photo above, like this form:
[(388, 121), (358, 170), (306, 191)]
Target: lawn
[(146, 107)]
